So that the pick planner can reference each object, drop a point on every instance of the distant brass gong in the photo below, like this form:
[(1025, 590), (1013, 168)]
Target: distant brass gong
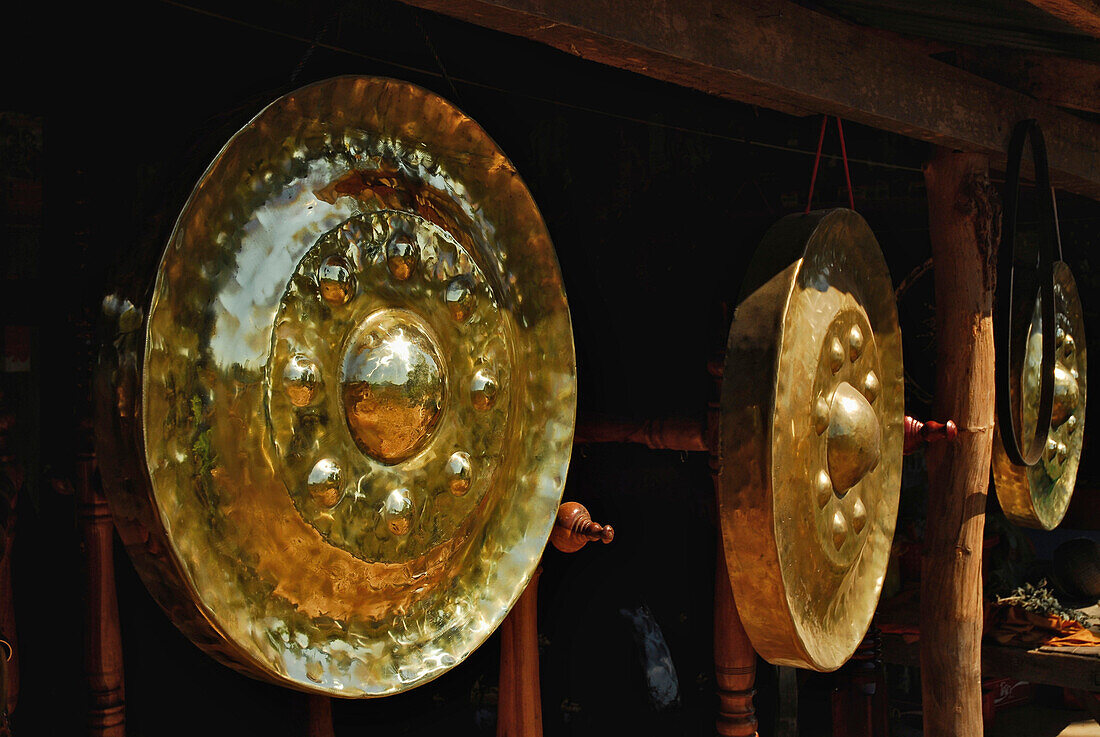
[(1039, 495), (336, 430), (811, 439)]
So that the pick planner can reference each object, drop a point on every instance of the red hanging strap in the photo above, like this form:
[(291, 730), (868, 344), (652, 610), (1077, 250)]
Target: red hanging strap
[(817, 163), (844, 158)]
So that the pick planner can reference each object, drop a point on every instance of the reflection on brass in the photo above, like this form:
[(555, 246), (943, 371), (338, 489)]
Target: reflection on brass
[(811, 437), (1039, 495), (392, 385), (337, 447)]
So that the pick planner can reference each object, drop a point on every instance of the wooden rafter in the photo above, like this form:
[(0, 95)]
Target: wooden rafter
[(1068, 83), (783, 56), (1083, 15)]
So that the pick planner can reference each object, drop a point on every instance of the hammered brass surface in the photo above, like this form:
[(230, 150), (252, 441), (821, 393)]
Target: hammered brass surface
[(811, 439), (1039, 495), (357, 394)]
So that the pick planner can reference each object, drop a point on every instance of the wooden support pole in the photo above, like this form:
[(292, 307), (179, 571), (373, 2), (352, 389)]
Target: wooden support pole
[(519, 705), (9, 649), (102, 639), (964, 218), (506, 690), (734, 661), (319, 716), (860, 707), (9, 654)]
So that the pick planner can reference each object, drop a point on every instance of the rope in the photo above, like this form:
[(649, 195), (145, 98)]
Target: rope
[(565, 105), (843, 158), (435, 54), (1057, 226), (321, 33)]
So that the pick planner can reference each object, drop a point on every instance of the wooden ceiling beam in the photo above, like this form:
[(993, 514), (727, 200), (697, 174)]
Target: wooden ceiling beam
[(1055, 80), (1084, 15), (783, 56)]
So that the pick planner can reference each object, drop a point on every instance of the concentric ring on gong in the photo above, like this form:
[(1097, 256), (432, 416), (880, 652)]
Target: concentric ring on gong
[(811, 439), (1039, 495), (357, 394), (415, 358)]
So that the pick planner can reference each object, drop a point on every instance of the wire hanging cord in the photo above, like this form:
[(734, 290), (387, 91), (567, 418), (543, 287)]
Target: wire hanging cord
[(1016, 301), (843, 157), (333, 19)]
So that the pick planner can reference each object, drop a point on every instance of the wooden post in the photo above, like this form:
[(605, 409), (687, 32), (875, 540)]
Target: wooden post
[(9, 649), (9, 654), (860, 706), (102, 640), (734, 661), (519, 698), (506, 690), (964, 218), (319, 716), (519, 704)]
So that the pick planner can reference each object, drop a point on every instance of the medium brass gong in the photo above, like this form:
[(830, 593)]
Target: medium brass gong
[(1038, 495), (336, 430), (811, 439)]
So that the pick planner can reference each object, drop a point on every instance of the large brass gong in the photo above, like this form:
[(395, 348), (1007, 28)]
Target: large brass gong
[(336, 431), (811, 439), (1039, 495)]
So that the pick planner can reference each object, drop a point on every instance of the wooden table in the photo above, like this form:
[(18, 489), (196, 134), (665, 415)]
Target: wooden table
[(1051, 666)]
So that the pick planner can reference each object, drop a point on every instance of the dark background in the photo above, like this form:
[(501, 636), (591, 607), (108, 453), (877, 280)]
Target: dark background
[(655, 197)]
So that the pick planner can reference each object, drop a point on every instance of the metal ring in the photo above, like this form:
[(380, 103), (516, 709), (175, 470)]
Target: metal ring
[(1010, 345), (11, 650)]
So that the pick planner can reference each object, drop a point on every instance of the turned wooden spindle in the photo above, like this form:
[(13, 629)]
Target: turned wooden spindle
[(102, 639), (734, 661), (694, 436), (574, 528), (673, 433), (734, 655), (918, 433)]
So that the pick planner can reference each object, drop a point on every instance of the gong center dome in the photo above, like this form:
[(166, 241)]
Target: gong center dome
[(392, 385), (854, 438)]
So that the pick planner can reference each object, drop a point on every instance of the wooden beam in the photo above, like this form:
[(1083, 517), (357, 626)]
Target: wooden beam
[(783, 56), (1055, 80), (1083, 15)]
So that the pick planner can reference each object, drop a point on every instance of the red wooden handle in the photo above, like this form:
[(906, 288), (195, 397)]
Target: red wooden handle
[(917, 433)]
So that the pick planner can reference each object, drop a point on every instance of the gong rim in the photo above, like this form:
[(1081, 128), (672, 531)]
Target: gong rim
[(385, 573), (1039, 495), (810, 441)]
